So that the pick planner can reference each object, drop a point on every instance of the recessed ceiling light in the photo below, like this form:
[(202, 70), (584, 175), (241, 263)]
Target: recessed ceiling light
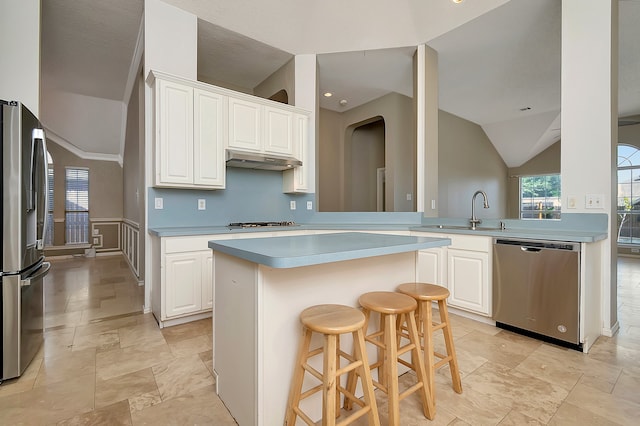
[(457, 1), (343, 102), (328, 94)]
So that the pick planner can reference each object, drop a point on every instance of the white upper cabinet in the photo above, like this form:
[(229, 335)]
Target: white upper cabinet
[(174, 112), (190, 135), (209, 133), (195, 122), (278, 131), (297, 180), (256, 127), (245, 125)]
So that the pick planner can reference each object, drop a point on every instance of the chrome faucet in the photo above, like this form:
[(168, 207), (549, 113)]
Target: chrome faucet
[(474, 220)]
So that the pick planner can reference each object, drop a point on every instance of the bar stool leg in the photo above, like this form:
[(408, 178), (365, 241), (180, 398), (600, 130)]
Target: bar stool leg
[(365, 374), (426, 309), (416, 354), (391, 368), (298, 377), (451, 351), (329, 393)]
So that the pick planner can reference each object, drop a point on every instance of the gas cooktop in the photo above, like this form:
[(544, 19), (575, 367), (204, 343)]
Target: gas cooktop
[(259, 224)]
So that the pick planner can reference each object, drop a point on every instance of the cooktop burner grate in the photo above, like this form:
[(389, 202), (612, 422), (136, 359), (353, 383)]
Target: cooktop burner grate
[(259, 224)]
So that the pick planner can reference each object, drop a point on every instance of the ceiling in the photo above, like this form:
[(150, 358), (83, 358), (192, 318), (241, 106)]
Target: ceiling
[(496, 57)]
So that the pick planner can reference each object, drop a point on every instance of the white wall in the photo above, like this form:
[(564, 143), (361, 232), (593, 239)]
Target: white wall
[(20, 52), (589, 115), (170, 40), (93, 123)]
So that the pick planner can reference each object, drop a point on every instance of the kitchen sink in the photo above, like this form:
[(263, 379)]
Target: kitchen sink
[(466, 227)]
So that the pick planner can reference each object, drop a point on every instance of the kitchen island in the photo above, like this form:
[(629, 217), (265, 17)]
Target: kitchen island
[(260, 288)]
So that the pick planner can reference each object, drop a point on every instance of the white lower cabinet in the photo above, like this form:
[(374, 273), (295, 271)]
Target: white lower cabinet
[(468, 280), (188, 272), (463, 267)]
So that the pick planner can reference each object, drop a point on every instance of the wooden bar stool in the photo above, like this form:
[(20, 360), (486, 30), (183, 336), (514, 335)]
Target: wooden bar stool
[(425, 294), (396, 311), (332, 321)]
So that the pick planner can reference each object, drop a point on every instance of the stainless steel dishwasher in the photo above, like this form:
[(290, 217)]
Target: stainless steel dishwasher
[(536, 289)]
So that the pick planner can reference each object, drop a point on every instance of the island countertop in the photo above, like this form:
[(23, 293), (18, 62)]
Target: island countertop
[(305, 250)]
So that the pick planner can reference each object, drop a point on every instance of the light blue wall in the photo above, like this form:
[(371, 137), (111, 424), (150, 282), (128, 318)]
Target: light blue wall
[(251, 196)]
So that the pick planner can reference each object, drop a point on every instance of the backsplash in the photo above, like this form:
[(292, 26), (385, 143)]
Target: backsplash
[(251, 195)]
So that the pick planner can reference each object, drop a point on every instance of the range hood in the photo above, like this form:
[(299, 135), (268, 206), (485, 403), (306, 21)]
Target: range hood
[(260, 161)]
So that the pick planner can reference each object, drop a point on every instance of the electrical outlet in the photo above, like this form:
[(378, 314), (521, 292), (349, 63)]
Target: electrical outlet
[(96, 231), (96, 241), (159, 203), (309, 205), (594, 201), (571, 202), (202, 204), (292, 204), (409, 197)]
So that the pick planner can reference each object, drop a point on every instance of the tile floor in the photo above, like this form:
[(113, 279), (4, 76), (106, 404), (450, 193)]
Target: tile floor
[(106, 363)]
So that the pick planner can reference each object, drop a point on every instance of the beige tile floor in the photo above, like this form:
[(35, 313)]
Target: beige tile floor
[(106, 363)]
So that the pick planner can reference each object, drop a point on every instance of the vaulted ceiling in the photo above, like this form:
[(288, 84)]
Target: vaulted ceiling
[(496, 57)]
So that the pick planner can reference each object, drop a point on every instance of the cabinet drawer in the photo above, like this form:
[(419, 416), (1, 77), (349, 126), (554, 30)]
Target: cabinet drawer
[(196, 243), (470, 242)]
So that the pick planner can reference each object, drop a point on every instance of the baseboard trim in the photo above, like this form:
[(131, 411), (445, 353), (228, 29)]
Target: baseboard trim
[(610, 332)]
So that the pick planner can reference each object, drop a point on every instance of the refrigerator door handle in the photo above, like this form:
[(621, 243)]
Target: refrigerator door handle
[(42, 271), (38, 134)]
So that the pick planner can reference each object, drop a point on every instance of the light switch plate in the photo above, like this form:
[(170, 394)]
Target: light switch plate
[(292, 204), (202, 204), (571, 202)]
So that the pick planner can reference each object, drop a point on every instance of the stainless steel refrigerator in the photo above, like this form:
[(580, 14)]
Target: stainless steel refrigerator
[(24, 210)]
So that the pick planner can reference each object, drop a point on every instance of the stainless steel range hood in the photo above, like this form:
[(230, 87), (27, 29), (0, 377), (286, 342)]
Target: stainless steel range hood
[(260, 161)]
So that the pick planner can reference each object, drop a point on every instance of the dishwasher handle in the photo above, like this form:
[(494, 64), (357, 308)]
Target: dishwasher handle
[(530, 249), (538, 245)]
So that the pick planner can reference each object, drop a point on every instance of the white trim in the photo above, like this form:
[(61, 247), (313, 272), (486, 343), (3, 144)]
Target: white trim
[(135, 63), (106, 219), (420, 130), (610, 332), (51, 135), (131, 223)]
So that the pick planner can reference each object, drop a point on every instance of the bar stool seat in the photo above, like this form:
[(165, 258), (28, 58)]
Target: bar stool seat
[(425, 294), (332, 321), (395, 310)]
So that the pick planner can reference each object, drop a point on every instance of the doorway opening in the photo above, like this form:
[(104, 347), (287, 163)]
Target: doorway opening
[(364, 166)]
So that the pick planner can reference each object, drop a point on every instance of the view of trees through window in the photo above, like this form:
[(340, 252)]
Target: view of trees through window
[(540, 197), (628, 194)]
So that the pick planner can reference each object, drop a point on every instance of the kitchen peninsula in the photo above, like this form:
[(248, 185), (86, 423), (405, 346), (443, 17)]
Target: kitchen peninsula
[(261, 286)]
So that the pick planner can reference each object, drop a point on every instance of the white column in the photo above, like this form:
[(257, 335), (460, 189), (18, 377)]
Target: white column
[(20, 52), (589, 122), (427, 131), (306, 97)]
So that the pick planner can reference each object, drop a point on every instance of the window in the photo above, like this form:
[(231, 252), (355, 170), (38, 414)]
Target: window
[(48, 238), (628, 194), (77, 206), (540, 197)]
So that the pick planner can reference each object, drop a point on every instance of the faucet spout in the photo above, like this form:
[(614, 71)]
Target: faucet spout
[(474, 221)]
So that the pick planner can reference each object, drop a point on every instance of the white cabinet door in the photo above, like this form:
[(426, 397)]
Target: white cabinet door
[(174, 103), (183, 283), (207, 279), (245, 125), (297, 180), (208, 141), (278, 131), (432, 265), (468, 280)]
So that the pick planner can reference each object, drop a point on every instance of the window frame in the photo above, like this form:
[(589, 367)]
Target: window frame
[(71, 234)]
